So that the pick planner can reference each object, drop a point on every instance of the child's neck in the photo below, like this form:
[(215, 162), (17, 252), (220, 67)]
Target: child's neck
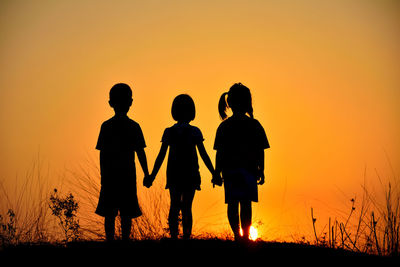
[(239, 113), (120, 114)]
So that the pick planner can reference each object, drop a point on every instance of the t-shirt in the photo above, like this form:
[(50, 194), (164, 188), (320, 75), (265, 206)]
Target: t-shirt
[(118, 140), (239, 138), (182, 167)]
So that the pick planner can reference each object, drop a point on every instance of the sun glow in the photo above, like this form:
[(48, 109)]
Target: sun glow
[(253, 233)]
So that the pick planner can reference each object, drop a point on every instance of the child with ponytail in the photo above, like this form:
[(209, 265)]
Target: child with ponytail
[(240, 142)]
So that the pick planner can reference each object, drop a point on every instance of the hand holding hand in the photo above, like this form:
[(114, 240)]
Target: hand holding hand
[(216, 180), (148, 181)]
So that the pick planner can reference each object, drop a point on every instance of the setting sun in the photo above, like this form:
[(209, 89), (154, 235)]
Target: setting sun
[(253, 233)]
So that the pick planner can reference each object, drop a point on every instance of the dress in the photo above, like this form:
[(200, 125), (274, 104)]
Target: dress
[(183, 167), (239, 139), (118, 140)]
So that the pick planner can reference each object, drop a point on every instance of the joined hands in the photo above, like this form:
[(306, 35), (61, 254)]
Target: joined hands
[(216, 180), (148, 180)]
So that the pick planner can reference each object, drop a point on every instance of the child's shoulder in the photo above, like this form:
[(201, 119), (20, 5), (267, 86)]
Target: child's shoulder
[(243, 122), (178, 126), (107, 124), (253, 124), (195, 128), (180, 129), (115, 121), (132, 122)]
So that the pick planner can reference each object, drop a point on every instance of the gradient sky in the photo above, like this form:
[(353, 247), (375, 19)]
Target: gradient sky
[(324, 76)]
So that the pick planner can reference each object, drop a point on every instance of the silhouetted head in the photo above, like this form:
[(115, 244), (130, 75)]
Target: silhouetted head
[(183, 108), (239, 100), (120, 98)]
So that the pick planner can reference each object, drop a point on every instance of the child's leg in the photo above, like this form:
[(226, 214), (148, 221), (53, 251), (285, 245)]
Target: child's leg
[(174, 212), (187, 218), (126, 224), (109, 227), (245, 217), (233, 217)]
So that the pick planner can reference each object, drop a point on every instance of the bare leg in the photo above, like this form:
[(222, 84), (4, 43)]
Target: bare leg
[(233, 217), (126, 224), (174, 210), (245, 217), (187, 217), (109, 227)]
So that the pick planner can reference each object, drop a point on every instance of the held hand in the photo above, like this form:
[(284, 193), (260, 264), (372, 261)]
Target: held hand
[(216, 180), (148, 181)]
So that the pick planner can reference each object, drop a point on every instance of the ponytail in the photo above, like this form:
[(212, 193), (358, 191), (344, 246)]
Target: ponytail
[(239, 99), (222, 106)]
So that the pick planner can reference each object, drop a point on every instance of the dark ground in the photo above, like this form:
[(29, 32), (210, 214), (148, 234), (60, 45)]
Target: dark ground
[(213, 252)]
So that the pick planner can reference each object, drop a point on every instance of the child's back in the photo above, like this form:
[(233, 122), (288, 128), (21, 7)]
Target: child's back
[(183, 167), (239, 138), (240, 142), (183, 176), (119, 138)]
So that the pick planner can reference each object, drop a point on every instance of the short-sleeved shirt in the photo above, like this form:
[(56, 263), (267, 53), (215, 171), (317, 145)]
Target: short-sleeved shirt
[(118, 140), (182, 167), (240, 137)]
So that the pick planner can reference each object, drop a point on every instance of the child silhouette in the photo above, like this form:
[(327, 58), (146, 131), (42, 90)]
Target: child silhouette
[(119, 139), (240, 142), (183, 177)]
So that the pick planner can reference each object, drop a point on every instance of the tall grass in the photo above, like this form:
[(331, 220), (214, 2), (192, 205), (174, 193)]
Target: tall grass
[(371, 226), (25, 215), (85, 183), (24, 209)]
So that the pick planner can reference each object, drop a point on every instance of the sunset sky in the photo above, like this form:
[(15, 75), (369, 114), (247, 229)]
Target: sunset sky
[(324, 77)]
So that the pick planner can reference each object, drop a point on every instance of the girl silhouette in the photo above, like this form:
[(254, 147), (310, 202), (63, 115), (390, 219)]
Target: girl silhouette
[(183, 177), (240, 142)]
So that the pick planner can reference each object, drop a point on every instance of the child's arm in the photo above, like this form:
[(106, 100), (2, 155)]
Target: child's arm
[(218, 169), (218, 162), (205, 157), (143, 161), (103, 168), (159, 159), (203, 153), (260, 163)]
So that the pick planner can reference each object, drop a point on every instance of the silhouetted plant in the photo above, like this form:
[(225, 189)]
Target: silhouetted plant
[(85, 182), (65, 209), (377, 228), (24, 206), (8, 228)]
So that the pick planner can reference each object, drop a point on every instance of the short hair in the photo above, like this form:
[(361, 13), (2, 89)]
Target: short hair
[(120, 93), (183, 108)]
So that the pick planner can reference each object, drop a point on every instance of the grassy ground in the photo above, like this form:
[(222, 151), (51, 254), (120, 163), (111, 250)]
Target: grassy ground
[(196, 251), (30, 229)]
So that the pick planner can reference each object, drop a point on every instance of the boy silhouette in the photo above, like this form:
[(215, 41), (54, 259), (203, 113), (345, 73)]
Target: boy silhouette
[(120, 137)]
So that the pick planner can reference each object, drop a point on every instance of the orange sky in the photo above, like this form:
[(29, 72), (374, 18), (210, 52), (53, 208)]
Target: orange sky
[(324, 78)]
